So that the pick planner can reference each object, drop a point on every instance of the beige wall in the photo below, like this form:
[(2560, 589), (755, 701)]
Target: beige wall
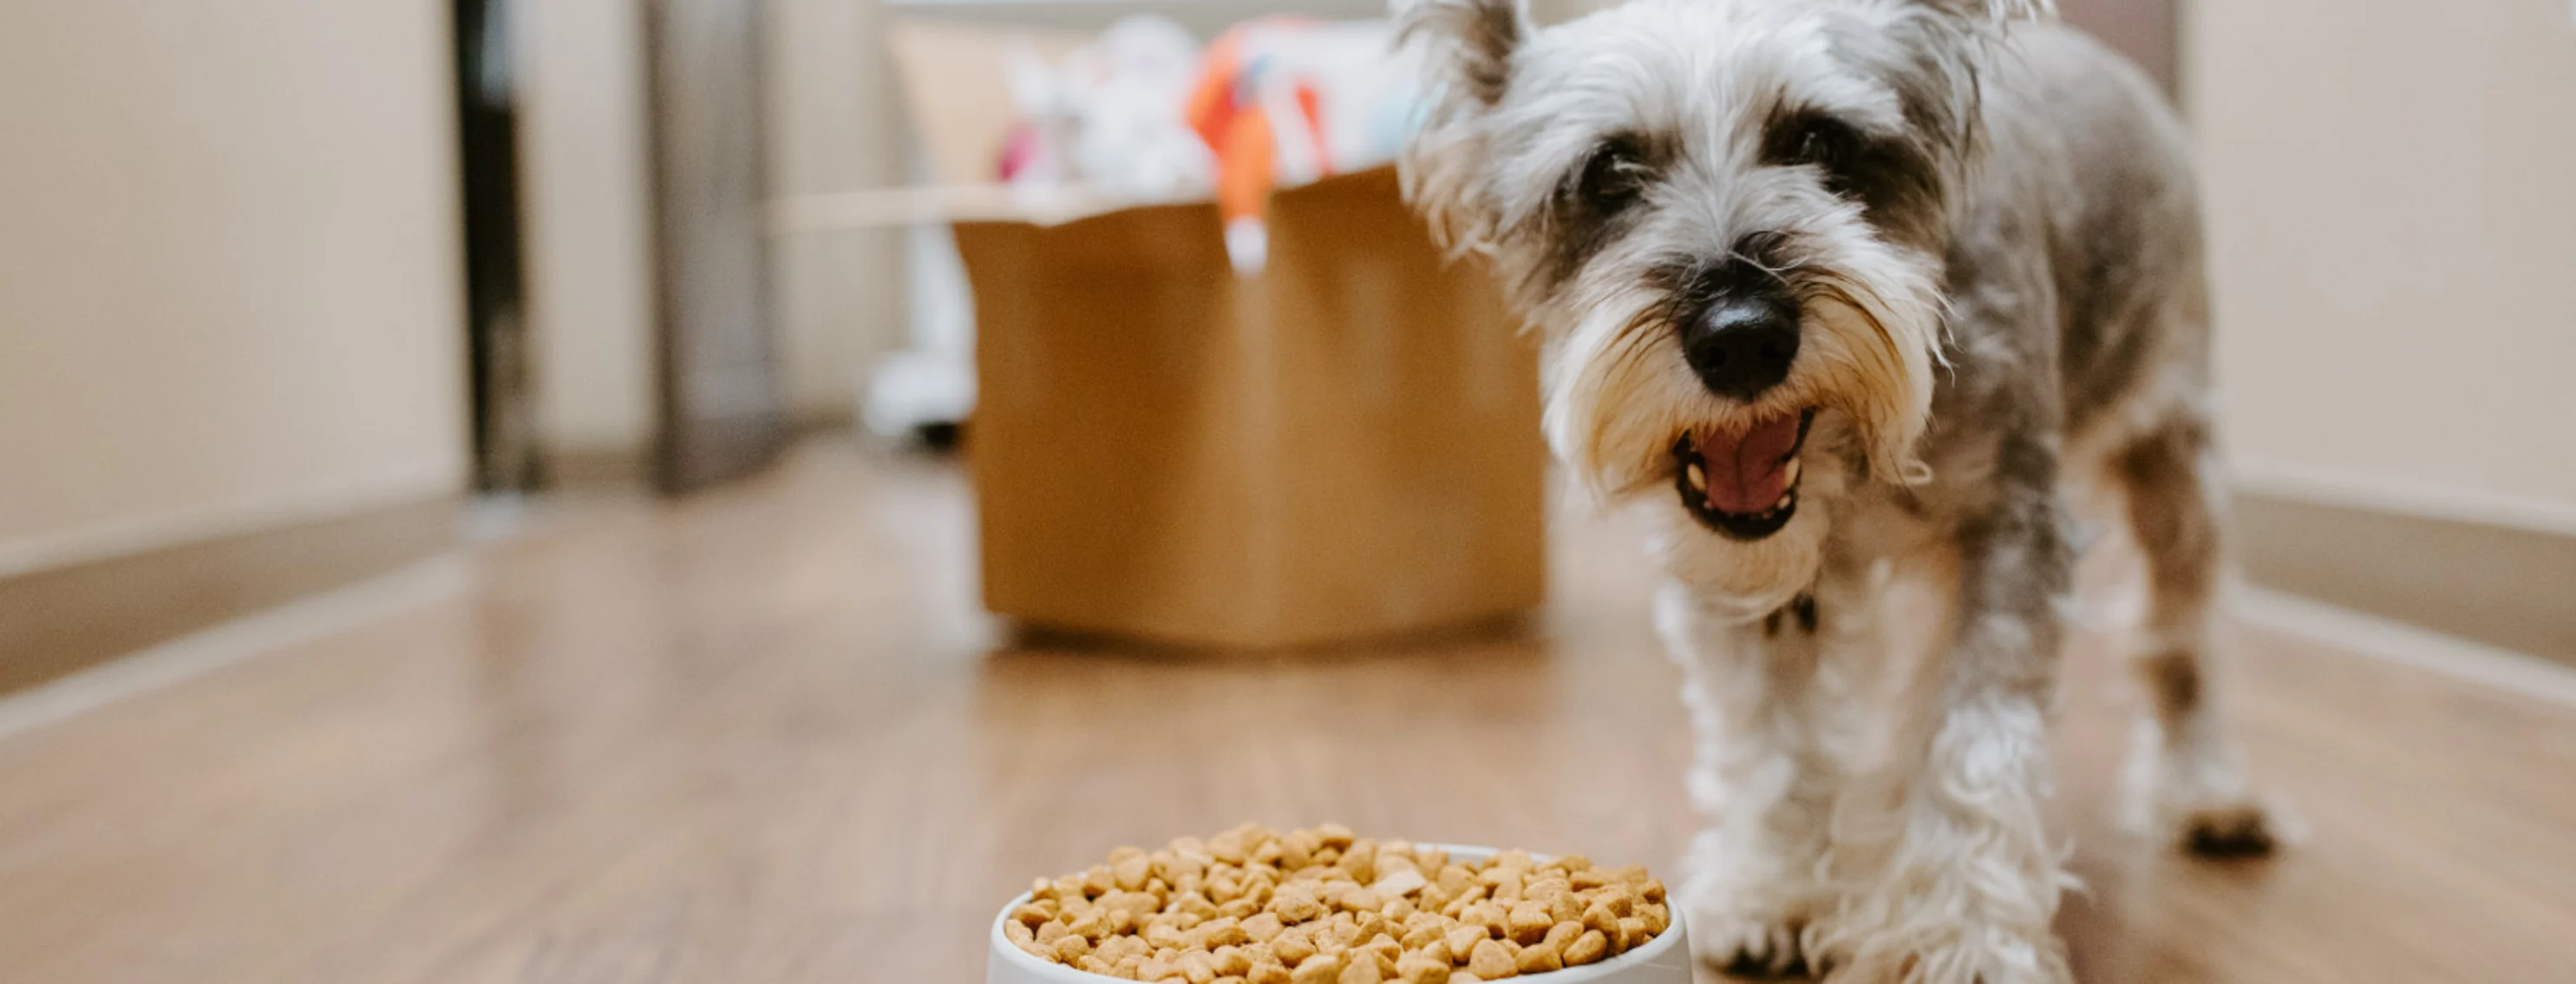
[(2392, 186), (584, 133), (229, 273), (834, 126), (586, 191)]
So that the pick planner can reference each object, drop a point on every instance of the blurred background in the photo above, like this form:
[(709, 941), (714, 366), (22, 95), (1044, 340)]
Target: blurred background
[(481, 491)]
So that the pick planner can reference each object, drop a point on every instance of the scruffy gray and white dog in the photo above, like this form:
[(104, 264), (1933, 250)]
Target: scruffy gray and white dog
[(1841, 291)]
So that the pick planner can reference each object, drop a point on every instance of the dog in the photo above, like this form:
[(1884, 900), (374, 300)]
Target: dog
[(1846, 296)]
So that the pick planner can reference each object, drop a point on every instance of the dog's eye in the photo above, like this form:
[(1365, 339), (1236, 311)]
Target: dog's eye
[(1821, 142), (1614, 176)]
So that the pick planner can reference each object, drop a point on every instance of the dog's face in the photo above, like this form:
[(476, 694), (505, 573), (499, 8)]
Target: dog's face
[(1728, 218)]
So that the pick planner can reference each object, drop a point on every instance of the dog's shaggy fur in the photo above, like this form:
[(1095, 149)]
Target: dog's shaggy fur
[(1979, 234)]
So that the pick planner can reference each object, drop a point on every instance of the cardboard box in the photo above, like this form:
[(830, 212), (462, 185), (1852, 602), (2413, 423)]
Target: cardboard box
[(1343, 445)]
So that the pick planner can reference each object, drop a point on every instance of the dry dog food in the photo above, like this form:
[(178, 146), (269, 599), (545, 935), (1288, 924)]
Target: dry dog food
[(1321, 906)]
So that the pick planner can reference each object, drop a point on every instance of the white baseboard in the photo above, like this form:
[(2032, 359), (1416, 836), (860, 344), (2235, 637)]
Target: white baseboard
[(2398, 642)]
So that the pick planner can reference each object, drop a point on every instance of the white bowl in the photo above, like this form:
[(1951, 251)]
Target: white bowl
[(1665, 959)]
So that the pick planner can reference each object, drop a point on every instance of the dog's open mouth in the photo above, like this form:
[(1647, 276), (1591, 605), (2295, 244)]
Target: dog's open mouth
[(1743, 484)]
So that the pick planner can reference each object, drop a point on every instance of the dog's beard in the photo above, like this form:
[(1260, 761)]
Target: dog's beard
[(1625, 412)]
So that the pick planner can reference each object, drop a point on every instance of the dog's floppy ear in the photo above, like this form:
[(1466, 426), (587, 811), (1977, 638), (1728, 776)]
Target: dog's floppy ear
[(1467, 44), (1465, 49)]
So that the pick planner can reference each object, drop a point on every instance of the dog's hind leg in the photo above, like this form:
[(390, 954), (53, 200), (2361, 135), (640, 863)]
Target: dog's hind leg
[(1763, 775), (2188, 777)]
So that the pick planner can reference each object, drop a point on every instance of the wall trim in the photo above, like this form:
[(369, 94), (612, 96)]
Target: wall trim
[(105, 541), (592, 467), (2500, 584), (2408, 499), (263, 633), (62, 619), (2397, 642)]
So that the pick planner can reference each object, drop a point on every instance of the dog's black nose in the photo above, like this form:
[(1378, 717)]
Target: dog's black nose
[(1744, 343)]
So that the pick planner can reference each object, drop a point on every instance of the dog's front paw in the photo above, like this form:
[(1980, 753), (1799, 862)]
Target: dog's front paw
[(2235, 828), (2205, 807), (1937, 948), (1745, 940), (1941, 912), (1746, 912)]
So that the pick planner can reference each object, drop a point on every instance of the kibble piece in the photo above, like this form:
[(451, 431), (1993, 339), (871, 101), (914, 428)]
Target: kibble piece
[(1462, 938), (1387, 951), (1228, 847), (1222, 887), (1433, 898), (1400, 882), (1422, 970), (1293, 947), (1362, 900), (1564, 907), (1491, 961), (1297, 850), (1438, 950), (1539, 959), (1561, 934), (1454, 878), (1416, 937), (1321, 968), (1632, 933), (1655, 919), (1069, 948), (1295, 904), (1225, 931), (1268, 974), (1262, 927), (1131, 873), (1622, 902), (1371, 926), (1528, 923), (1198, 967), (1587, 948), (1193, 903), (1598, 916), (1230, 961)]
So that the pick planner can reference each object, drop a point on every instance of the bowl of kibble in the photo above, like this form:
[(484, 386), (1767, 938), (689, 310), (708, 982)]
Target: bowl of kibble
[(1324, 906)]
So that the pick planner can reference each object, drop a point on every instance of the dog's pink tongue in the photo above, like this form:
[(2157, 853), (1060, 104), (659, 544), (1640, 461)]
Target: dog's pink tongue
[(1748, 472)]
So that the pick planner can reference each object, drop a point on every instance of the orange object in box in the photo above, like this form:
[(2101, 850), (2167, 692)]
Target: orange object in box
[(1344, 445)]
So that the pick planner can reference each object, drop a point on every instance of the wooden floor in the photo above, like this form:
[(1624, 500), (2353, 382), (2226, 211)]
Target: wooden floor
[(766, 736)]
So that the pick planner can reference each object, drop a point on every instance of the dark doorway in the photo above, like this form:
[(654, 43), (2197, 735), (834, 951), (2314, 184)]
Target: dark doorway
[(505, 446), (722, 410)]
